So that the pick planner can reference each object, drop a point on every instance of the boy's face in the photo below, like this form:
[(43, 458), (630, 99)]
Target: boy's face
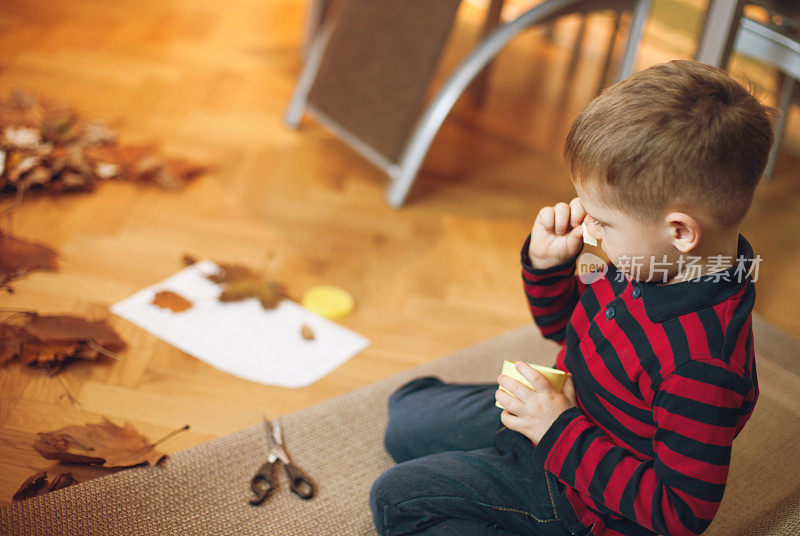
[(632, 245)]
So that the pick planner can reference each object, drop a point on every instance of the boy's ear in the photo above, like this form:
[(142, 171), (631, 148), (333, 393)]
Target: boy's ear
[(685, 231)]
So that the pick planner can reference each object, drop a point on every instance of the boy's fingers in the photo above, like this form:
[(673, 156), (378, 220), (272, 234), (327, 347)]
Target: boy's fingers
[(569, 389), (509, 402), (562, 217), (512, 386), (511, 421), (538, 381), (577, 212), (575, 240), (547, 218)]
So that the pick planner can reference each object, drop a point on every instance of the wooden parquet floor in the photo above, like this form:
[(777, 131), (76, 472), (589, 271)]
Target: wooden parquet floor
[(210, 81)]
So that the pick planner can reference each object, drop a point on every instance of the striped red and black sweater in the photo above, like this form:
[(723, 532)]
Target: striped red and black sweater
[(665, 379)]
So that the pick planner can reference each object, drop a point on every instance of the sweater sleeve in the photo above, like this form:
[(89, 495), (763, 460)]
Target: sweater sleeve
[(695, 410), (552, 294)]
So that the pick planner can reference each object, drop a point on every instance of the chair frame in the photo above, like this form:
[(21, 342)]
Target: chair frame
[(404, 172), (758, 41)]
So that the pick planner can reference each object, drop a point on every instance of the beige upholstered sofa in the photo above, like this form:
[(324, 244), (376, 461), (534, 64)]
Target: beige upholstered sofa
[(205, 490)]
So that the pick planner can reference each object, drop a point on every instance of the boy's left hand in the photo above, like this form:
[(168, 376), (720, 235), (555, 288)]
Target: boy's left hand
[(532, 413)]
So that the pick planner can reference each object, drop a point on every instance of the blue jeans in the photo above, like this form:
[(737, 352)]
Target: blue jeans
[(457, 472)]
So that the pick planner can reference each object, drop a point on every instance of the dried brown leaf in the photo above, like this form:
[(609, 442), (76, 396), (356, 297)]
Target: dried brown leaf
[(20, 109), (307, 332), (37, 485), (10, 342), (106, 170), (19, 163), (18, 257), (51, 341), (61, 126), (240, 282), (171, 300), (71, 180), (21, 137), (41, 353), (228, 273), (165, 178), (98, 133), (183, 169), (67, 328), (103, 443), (61, 481), (35, 177), (268, 292), (31, 486)]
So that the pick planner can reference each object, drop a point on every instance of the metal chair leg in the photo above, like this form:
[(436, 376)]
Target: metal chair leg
[(428, 125), (577, 46), (640, 11), (550, 31), (317, 9), (719, 32), (297, 105), (480, 85), (612, 45), (784, 101)]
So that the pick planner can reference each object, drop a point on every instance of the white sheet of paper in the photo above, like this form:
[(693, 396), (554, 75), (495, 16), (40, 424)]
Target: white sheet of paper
[(242, 338)]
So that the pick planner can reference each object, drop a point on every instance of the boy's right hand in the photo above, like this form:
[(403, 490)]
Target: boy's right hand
[(557, 234)]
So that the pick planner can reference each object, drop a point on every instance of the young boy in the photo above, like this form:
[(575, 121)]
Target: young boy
[(658, 345)]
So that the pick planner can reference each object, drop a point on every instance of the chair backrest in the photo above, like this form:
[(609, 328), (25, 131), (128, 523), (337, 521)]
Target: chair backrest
[(377, 67)]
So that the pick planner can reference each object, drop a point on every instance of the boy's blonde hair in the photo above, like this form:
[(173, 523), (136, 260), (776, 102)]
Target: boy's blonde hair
[(680, 133)]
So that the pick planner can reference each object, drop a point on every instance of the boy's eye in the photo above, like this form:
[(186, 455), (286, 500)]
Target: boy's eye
[(595, 222)]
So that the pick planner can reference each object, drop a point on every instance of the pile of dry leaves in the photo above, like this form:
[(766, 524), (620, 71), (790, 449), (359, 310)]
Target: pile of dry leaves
[(51, 148), (47, 146), (52, 341)]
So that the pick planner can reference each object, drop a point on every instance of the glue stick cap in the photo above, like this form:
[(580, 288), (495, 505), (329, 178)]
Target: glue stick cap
[(328, 301)]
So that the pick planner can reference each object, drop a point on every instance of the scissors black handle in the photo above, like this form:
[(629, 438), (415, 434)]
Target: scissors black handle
[(300, 483), (261, 484)]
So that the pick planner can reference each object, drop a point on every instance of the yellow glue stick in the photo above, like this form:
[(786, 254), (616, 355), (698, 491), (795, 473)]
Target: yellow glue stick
[(554, 376)]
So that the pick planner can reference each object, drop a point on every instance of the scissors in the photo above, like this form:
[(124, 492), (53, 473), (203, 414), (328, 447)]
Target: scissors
[(262, 485)]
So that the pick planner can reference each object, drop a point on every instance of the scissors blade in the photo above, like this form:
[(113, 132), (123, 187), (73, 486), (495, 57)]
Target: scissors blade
[(273, 445), (277, 432), (274, 439), (267, 428)]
